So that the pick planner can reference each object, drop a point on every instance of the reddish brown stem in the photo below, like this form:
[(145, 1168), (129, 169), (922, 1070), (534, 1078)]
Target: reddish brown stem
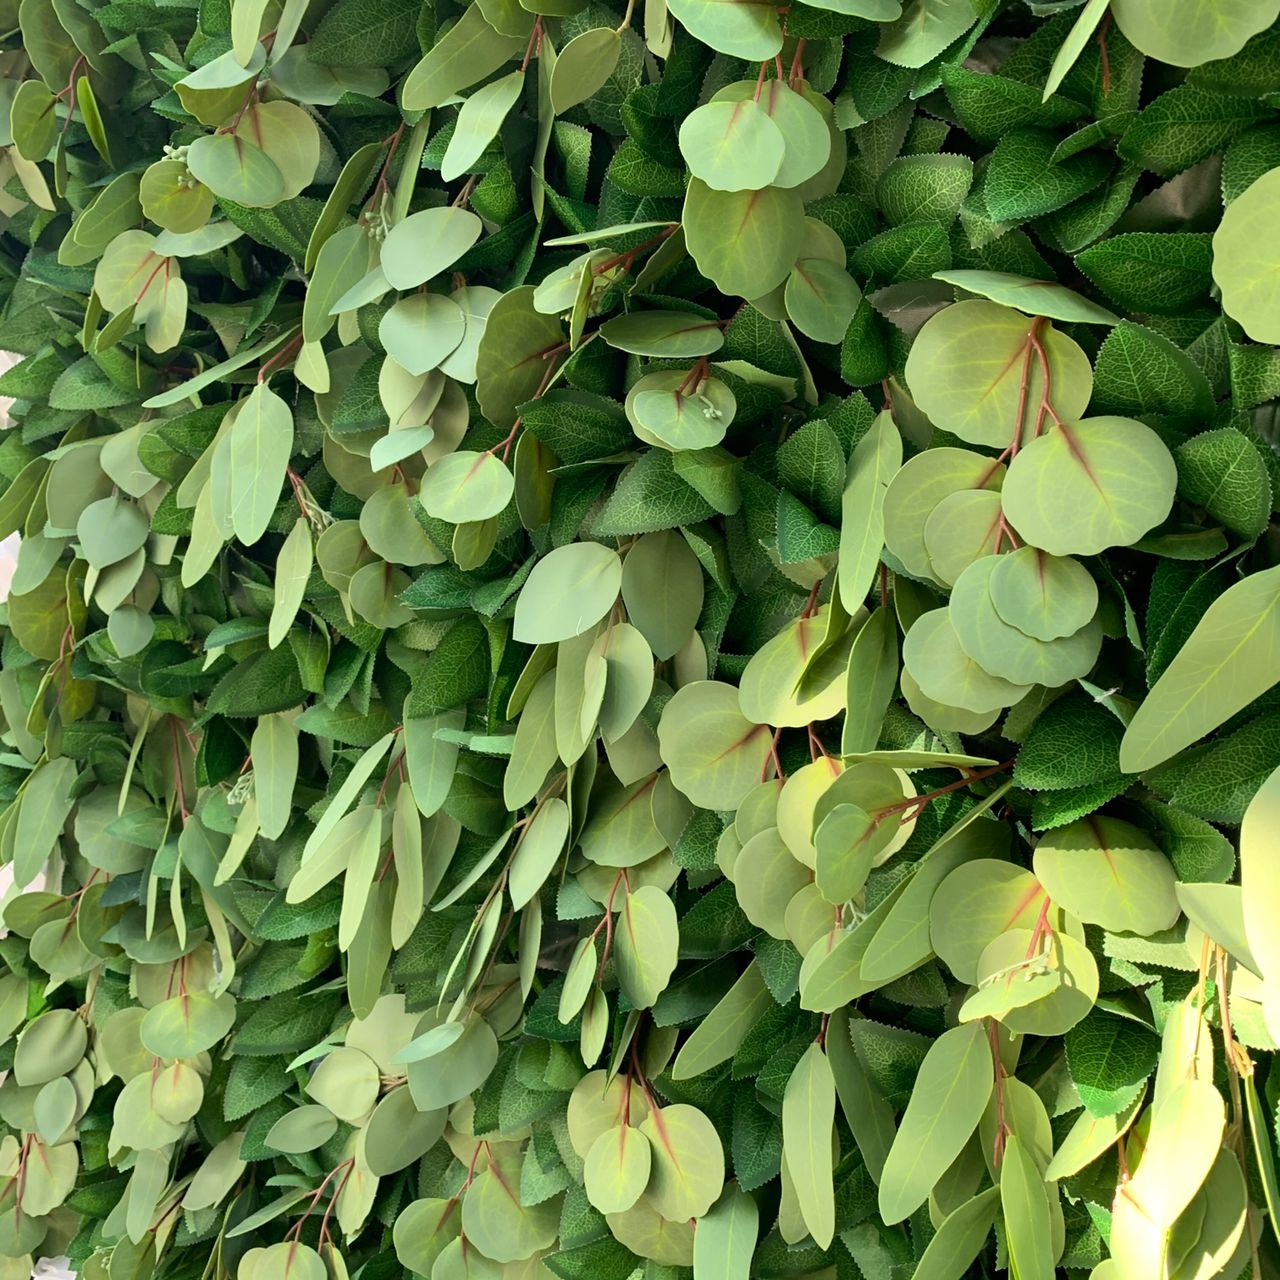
[(287, 352)]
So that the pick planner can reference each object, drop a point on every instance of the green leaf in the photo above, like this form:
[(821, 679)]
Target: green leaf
[(720, 1034), (1073, 46), (1223, 472), (746, 242), (1257, 875), (185, 1025), (1109, 873), (650, 496), (584, 66), (1244, 264), (662, 588), (688, 1161), (467, 53), (1208, 29), (726, 1237), (739, 28), (1021, 182), (648, 940), (259, 446), (512, 363), (732, 146), (1154, 271), (969, 364), (949, 1097), (466, 486), (924, 29), (478, 123), (959, 1238), (1109, 1059), (427, 243), (1024, 1205), (1140, 372), (354, 35), (808, 1114), (1113, 481), (568, 592), (924, 188), (1184, 125), (1228, 660), (235, 169)]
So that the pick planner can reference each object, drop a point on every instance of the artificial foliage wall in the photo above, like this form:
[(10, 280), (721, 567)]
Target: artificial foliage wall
[(645, 639)]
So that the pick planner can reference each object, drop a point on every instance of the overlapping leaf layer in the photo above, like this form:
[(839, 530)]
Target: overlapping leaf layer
[(645, 639)]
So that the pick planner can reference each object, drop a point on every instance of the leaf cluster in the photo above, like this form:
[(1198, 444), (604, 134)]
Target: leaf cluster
[(645, 639)]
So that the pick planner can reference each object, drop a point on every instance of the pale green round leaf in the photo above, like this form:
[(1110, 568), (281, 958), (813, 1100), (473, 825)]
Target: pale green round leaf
[(569, 591), (233, 167), (302, 1129), (345, 1082), (821, 298), (916, 490), (1109, 873), (185, 1025), (662, 588), (805, 135), (732, 146), (617, 1169), (647, 939), (962, 528), (173, 199), (1046, 596), (288, 137), (466, 486), (740, 28), (32, 120), (496, 1222), (666, 411), (766, 877), (375, 591), (715, 754), (1085, 486), (289, 1260), (398, 1133), (1246, 259), (1204, 30), (1002, 650), (937, 662), (969, 363), (427, 243), (392, 530), (421, 331), (688, 1161), (745, 242), (422, 1231), (1033, 983), (55, 1108), (111, 530), (785, 684)]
